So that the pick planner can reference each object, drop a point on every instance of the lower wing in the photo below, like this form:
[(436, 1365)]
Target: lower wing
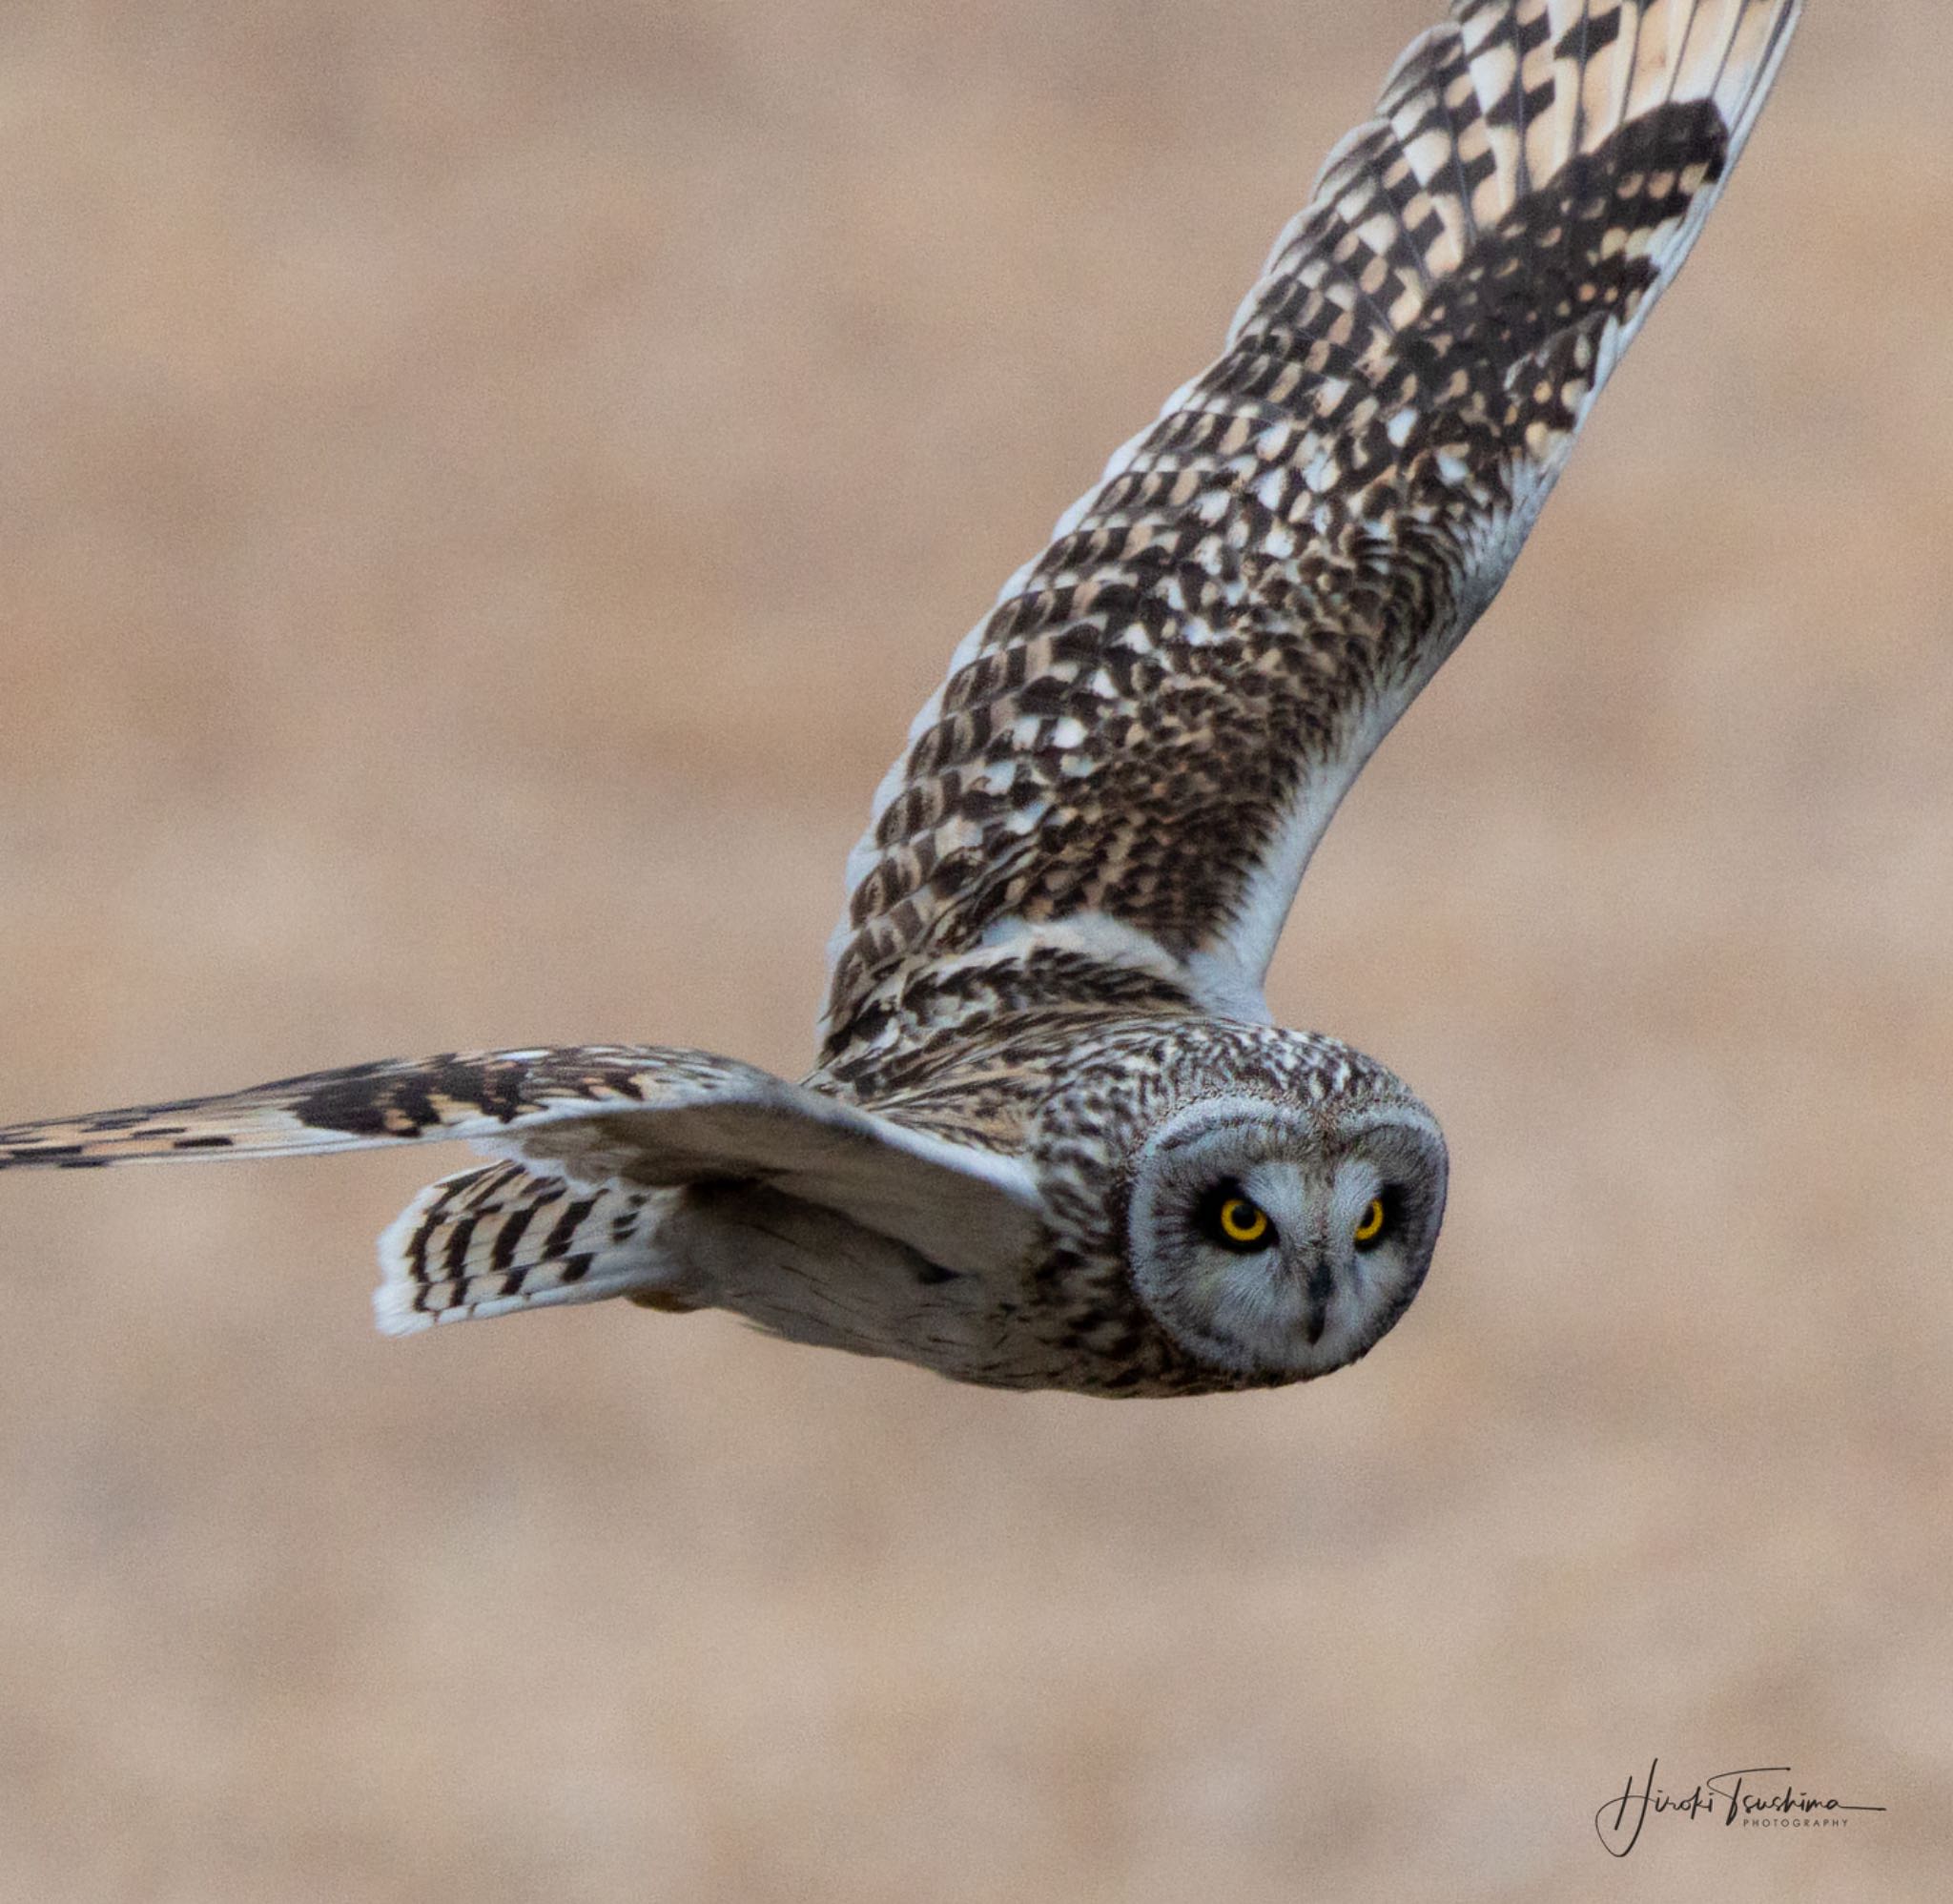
[(598, 1140)]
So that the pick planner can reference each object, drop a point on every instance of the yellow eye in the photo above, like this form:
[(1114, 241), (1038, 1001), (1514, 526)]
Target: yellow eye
[(1371, 1228), (1244, 1223), (1232, 1221)]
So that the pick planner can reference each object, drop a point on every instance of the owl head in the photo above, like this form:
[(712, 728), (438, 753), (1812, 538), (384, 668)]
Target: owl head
[(1277, 1233)]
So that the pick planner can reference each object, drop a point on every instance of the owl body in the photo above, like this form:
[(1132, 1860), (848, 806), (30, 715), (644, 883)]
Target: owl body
[(1051, 1139), (1068, 1311)]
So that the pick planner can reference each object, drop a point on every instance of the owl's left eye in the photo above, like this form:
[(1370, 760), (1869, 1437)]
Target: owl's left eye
[(1236, 1223)]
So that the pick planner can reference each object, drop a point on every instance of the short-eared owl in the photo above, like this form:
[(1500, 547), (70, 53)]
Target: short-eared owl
[(1052, 1139)]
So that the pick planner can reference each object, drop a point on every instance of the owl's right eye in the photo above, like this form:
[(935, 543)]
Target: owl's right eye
[(1236, 1223)]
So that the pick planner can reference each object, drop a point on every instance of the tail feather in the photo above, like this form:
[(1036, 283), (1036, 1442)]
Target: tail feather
[(503, 1237)]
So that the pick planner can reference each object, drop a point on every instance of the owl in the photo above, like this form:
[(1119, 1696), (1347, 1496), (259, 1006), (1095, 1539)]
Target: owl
[(1052, 1139)]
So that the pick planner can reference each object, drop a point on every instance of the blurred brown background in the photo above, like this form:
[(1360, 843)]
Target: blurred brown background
[(483, 487)]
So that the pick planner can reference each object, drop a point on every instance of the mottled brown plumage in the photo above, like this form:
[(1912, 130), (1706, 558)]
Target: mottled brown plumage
[(1051, 1139), (1220, 632)]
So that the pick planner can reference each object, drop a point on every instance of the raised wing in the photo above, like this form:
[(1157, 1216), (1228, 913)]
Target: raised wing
[(606, 1125), (1145, 739)]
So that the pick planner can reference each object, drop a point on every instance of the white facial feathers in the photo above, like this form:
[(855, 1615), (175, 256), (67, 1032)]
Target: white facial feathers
[(1284, 1244)]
